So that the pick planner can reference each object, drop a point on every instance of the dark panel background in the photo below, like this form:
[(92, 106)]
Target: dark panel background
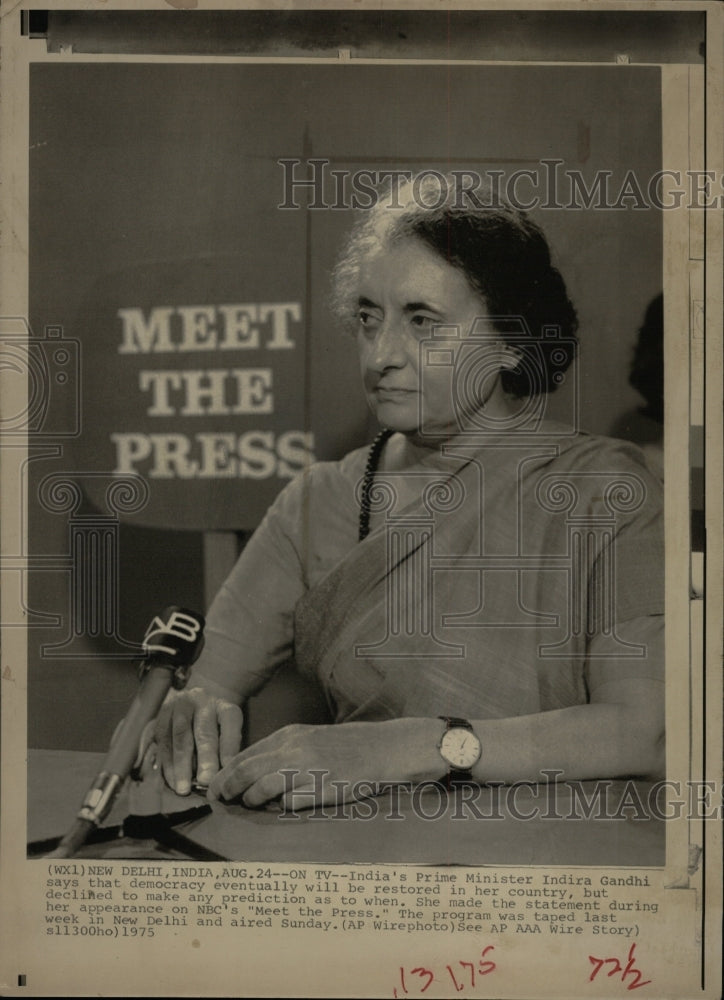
[(651, 36), (132, 165)]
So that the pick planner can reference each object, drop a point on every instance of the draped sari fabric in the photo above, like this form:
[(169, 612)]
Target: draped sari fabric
[(488, 594), (494, 574)]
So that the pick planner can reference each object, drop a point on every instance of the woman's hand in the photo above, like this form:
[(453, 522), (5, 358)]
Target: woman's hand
[(356, 755), (194, 719)]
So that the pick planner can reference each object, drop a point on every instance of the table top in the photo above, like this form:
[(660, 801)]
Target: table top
[(472, 826)]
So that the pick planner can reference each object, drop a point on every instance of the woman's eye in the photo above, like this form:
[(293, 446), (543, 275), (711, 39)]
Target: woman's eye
[(367, 319)]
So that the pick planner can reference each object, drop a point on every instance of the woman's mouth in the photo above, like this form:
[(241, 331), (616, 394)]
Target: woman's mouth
[(393, 392)]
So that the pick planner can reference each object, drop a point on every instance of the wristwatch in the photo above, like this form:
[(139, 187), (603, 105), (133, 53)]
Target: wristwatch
[(460, 748)]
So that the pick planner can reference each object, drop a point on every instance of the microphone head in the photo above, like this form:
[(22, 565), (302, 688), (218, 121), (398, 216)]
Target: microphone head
[(174, 638)]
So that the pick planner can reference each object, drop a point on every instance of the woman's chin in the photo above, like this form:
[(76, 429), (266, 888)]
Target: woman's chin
[(396, 417)]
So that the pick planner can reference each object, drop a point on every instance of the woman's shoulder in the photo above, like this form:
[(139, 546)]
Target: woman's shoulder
[(340, 472), (609, 471), (325, 481), (582, 451), (317, 513)]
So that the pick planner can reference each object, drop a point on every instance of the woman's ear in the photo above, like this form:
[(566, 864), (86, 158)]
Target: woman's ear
[(511, 357)]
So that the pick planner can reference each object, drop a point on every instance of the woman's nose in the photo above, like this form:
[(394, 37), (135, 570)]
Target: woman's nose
[(388, 349)]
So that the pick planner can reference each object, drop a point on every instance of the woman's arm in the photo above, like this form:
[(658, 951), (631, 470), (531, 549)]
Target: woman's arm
[(249, 633), (619, 732)]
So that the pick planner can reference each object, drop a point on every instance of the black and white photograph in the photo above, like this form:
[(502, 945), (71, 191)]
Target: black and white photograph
[(360, 499)]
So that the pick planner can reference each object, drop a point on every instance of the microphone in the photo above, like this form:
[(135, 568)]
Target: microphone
[(172, 644)]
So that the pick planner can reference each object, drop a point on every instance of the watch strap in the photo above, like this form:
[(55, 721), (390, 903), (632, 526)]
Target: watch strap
[(453, 722), (457, 775)]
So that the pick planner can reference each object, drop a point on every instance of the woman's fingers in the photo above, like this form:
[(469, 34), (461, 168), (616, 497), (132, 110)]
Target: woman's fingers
[(194, 720), (241, 773), (255, 780), (206, 735), (230, 719), (268, 787), (182, 740), (164, 739), (217, 731)]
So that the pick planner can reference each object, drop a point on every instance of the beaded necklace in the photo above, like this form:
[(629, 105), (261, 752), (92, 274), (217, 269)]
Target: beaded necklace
[(370, 469)]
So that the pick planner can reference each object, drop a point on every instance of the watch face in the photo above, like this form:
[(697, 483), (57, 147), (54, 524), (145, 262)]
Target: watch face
[(460, 748)]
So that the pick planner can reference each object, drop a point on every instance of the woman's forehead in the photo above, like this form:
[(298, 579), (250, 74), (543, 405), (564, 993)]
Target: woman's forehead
[(408, 267)]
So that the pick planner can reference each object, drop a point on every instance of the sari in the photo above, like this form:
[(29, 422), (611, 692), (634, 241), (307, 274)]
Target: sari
[(493, 574)]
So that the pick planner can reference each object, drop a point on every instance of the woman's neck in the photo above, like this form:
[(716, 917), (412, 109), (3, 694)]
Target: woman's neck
[(407, 450), (403, 451)]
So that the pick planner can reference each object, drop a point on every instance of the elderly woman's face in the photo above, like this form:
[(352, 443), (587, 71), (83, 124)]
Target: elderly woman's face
[(405, 291)]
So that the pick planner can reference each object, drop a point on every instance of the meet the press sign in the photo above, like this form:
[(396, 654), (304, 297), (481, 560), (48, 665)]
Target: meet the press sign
[(206, 365)]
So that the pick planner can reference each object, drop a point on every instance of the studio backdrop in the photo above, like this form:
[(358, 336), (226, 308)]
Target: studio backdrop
[(185, 219)]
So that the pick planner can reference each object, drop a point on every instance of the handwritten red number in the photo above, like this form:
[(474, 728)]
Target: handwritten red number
[(402, 981), (424, 972), (630, 970), (599, 963), (469, 965), (484, 967), (458, 986)]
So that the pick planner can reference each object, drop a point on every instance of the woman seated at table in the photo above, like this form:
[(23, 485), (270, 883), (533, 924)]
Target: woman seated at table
[(480, 592)]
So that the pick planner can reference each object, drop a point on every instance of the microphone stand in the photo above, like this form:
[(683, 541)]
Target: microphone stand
[(173, 642)]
